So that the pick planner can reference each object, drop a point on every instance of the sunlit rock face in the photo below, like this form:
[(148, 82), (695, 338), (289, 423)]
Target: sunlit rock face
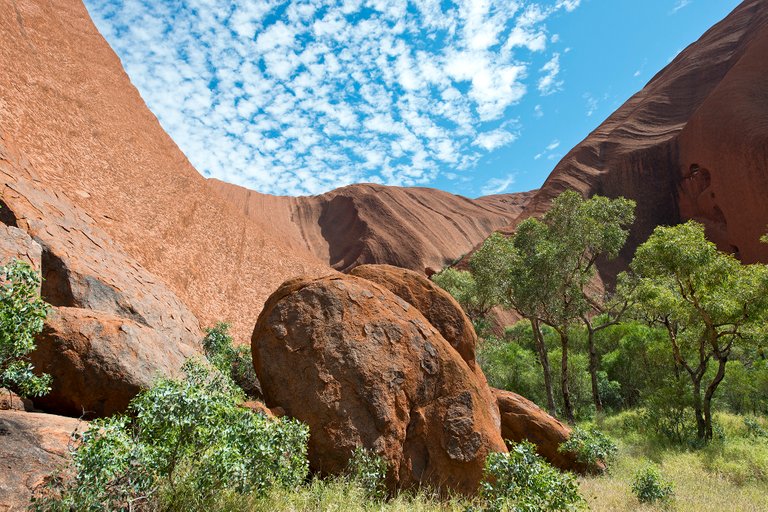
[(693, 144)]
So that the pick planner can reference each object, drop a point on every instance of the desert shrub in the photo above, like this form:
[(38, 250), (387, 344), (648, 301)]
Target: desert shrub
[(231, 360), (668, 413), (183, 434), (508, 365), (369, 471), (522, 481), (22, 312), (590, 446), (649, 486), (754, 428)]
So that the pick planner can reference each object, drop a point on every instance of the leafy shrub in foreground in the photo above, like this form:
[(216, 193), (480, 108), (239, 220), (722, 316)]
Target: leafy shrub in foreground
[(230, 360), (590, 446), (521, 481), (22, 312), (184, 434), (369, 471), (649, 486)]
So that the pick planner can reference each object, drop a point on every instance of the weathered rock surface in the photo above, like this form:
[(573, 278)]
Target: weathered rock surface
[(16, 244), (10, 401), (523, 420), (115, 327), (692, 144), (362, 366), (437, 305), (414, 228), (88, 139), (99, 361), (32, 447)]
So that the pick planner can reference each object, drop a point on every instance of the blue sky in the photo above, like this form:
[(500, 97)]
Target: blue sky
[(474, 97)]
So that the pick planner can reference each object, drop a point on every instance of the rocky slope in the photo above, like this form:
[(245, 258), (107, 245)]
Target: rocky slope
[(414, 228), (693, 144), (84, 134)]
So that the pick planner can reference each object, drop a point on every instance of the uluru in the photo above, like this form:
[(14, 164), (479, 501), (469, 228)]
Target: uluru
[(418, 255)]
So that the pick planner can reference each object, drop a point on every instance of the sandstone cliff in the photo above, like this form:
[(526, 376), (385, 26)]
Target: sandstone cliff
[(693, 144)]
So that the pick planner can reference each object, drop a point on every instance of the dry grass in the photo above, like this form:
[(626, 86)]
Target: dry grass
[(731, 476)]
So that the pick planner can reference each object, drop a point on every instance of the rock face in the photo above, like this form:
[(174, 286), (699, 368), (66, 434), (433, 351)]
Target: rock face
[(33, 447), (522, 420), (693, 144), (80, 131), (414, 228), (114, 326), (362, 366), (437, 305), (16, 244), (100, 361)]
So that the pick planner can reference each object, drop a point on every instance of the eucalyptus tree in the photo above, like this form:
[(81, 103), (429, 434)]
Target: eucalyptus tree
[(500, 266), (546, 272), (561, 251), (708, 302)]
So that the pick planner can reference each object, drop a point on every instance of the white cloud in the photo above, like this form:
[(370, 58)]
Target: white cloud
[(680, 4), (495, 139), (498, 185), (301, 97), (549, 83), (592, 103)]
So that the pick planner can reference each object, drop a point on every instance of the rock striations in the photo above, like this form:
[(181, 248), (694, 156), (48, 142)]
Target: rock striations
[(693, 144), (414, 228)]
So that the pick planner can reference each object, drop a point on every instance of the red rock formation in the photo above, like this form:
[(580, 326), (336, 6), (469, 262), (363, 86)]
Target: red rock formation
[(522, 420), (692, 144), (88, 139), (33, 447), (100, 361), (437, 305), (413, 228), (361, 366)]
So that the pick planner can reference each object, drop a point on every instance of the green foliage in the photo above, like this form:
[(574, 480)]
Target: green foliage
[(649, 486), (476, 299), (754, 428), (369, 471), (183, 434), (710, 304), (235, 362), (590, 446), (521, 481), (22, 312), (508, 365)]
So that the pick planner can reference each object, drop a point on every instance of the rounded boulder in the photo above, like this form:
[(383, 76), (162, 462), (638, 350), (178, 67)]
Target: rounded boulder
[(363, 367)]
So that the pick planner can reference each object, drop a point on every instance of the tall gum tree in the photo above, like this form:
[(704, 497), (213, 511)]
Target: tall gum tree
[(707, 301), (547, 273)]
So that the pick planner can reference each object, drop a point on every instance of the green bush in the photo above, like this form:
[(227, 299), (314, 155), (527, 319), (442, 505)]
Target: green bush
[(590, 446), (522, 481), (183, 434), (649, 486), (230, 360), (22, 312), (754, 428), (369, 471)]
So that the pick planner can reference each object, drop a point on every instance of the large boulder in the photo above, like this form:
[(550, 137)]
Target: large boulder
[(437, 305), (99, 361), (362, 367), (522, 420), (33, 447)]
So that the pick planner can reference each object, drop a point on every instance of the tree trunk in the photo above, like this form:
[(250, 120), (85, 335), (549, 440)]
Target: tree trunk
[(701, 426), (708, 398), (593, 370), (567, 407), (541, 348)]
